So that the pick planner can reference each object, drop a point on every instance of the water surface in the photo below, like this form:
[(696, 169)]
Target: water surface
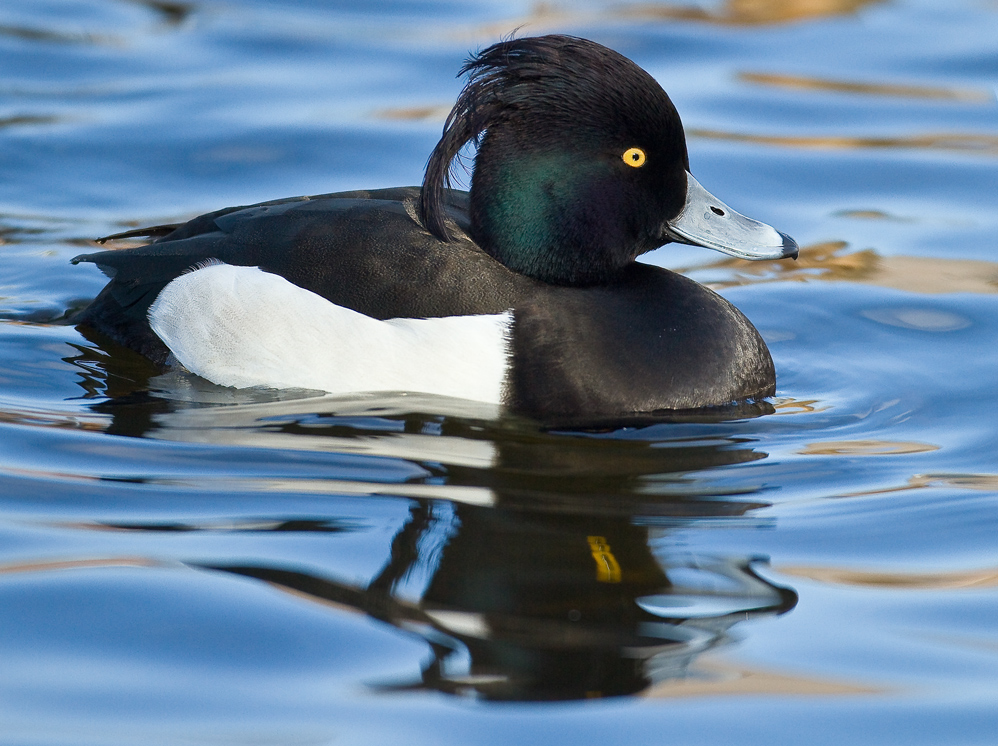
[(183, 563)]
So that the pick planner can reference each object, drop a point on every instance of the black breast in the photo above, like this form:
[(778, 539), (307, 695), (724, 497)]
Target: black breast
[(653, 340)]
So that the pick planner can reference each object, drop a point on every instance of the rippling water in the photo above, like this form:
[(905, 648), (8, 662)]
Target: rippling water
[(183, 563)]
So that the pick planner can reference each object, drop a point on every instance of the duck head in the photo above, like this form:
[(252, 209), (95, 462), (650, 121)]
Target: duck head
[(581, 166)]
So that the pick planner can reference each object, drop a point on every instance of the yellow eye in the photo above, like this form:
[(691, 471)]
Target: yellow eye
[(634, 157)]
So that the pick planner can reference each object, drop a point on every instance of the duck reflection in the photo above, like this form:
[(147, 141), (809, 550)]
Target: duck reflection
[(559, 580), (517, 605)]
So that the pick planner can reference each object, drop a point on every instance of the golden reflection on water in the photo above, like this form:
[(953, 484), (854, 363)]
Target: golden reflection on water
[(78, 564), (789, 405), (975, 144), (748, 12), (866, 448), (983, 482), (714, 678), (414, 113), (830, 261), (58, 419), (547, 16), (800, 82), (871, 215), (967, 579)]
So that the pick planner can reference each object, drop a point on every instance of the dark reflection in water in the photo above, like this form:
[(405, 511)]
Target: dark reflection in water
[(167, 13), (172, 13), (26, 120), (522, 606), (50, 36)]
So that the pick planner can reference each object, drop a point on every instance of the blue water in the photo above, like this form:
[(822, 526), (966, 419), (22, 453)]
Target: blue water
[(186, 564)]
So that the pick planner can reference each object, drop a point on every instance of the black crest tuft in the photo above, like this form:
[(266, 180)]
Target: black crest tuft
[(560, 76)]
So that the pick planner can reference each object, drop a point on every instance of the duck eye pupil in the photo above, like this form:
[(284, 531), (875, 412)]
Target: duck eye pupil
[(717, 211)]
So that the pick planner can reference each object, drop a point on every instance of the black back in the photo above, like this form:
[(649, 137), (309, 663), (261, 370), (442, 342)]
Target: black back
[(363, 250)]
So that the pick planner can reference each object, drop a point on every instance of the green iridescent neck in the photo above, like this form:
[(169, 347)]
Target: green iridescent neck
[(529, 214)]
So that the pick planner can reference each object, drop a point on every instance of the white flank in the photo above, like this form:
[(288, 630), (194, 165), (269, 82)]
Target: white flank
[(241, 326)]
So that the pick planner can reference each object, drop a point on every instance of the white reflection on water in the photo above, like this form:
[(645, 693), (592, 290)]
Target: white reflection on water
[(923, 319)]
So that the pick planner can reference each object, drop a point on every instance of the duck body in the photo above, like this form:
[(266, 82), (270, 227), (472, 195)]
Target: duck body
[(539, 257)]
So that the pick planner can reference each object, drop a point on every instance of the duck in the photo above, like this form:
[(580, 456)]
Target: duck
[(523, 291)]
